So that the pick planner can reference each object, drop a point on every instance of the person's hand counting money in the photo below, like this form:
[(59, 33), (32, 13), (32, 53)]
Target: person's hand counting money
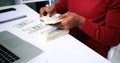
[(69, 20), (47, 11)]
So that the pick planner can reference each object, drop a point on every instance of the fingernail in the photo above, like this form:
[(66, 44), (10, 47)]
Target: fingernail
[(48, 15)]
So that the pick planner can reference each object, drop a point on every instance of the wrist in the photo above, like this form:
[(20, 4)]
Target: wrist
[(82, 20)]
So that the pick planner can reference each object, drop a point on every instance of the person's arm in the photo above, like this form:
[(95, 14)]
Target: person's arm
[(61, 6), (108, 34)]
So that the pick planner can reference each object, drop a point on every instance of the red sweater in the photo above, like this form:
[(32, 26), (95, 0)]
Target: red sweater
[(101, 29)]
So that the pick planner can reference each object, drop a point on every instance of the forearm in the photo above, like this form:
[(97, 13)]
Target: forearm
[(107, 28), (103, 34)]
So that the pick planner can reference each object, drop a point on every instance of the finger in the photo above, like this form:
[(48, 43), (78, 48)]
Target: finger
[(63, 16), (42, 11), (51, 12)]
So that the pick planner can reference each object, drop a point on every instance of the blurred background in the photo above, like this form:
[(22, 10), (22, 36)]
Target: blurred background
[(34, 5)]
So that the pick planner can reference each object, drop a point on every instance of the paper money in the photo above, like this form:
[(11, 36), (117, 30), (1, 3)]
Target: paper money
[(52, 33), (51, 20), (23, 23), (34, 28)]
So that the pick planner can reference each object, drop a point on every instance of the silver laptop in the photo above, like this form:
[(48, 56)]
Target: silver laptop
[(15, 50)]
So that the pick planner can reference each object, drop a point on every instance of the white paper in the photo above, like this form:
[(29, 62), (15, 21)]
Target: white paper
[(10, 16)]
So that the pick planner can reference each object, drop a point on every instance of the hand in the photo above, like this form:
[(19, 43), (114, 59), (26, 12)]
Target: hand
[(47, 11), (70, 20)]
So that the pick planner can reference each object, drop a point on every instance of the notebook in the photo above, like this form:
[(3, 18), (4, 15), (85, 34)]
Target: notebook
[(10, 14), (15, 50)]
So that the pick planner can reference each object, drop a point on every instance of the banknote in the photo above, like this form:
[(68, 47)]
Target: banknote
[(52, 33), (51, 20), (34, 28), (23, 23)]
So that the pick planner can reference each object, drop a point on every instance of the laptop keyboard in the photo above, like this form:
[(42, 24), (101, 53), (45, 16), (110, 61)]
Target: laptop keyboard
[(7, 56)]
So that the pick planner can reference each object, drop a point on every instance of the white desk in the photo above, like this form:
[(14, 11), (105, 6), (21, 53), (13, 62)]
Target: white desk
[(65, 49)]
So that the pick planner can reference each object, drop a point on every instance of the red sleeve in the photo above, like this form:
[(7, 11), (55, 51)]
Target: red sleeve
[(61, 6), (109, 34)]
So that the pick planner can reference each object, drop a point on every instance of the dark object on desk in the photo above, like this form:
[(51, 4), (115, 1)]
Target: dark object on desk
[(7, 10)]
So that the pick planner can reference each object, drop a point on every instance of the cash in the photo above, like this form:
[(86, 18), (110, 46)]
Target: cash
[(23, 23), (49, 33), (52, 33), (46, 32), (51, 20), (34, 28)]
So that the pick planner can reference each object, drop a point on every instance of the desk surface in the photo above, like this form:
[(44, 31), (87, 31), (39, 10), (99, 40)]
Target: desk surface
[(65, 49)]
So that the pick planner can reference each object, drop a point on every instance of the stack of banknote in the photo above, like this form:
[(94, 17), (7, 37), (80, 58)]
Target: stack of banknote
[(49, 32)]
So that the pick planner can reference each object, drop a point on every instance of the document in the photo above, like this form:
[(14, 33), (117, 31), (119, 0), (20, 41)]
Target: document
[(11, 16)]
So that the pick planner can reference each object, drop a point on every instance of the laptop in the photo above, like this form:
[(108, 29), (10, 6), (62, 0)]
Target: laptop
[(15, 50)]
